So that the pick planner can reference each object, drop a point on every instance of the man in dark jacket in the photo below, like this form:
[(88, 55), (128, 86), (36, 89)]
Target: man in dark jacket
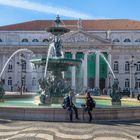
[(68, 104)]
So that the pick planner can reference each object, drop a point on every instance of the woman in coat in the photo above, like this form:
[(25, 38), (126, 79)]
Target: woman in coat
[(90, 104)]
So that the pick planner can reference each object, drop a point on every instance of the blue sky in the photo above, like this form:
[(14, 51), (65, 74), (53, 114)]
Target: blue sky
[(16, 11)]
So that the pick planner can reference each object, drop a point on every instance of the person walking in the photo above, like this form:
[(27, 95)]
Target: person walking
[(68, 104), (90, 104)]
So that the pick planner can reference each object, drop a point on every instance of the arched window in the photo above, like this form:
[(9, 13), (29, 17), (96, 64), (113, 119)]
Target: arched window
[(10, 81), (34, 81), (45, 40), (127, 83), (0, 40), (126, 66), (127, 40), (25, 40), (35, 40), (116, 66), (137, 40), (116, 40)]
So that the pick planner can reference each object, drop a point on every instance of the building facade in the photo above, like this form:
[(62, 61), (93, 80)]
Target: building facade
[(93, 41)]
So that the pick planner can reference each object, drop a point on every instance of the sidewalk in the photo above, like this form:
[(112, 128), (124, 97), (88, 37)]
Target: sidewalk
[(30, 130)]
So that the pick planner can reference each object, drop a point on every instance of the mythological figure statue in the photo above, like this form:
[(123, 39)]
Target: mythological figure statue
[(115, 93), (2, 92)]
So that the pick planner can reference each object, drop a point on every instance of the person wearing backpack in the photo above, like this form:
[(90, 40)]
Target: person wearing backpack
[(69, 105), (90, 104)]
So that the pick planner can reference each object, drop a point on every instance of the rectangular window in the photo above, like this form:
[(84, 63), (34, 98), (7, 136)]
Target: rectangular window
[(138, 66), (127, 83), (138, 83), (10, 82), (10, 68), (116, 66)]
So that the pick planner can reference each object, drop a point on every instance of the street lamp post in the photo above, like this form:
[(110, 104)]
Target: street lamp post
[(136, 81), (21, 63), (132, 65), (109, 82), (21, 86)]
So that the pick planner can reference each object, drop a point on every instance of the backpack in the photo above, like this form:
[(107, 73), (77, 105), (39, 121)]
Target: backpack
[(92, 103)]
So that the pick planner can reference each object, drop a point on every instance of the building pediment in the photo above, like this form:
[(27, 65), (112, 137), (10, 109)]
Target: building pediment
[(81, 37)]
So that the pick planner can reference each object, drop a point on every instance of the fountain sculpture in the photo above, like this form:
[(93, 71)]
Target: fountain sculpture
[(53, 85), (115, 93), (2, 92)]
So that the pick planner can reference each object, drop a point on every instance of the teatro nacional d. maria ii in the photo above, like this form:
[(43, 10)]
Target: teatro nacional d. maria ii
[(117, 40)]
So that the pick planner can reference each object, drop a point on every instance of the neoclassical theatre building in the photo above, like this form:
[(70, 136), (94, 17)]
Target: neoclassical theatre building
[(117, 40)]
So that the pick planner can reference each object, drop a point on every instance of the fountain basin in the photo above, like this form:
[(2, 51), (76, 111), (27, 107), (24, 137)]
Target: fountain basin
[(28, 100), (23, 108), (58, 30), (58, 63), (59, 114)]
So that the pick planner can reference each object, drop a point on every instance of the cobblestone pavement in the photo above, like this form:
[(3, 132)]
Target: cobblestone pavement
[(35, 130)]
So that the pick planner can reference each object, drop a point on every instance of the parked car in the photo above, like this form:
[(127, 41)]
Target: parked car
[(125, 92), (95, 92)]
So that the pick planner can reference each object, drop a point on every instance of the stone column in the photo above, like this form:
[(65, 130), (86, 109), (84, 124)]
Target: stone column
[(109, 61), (109, 74), (109, 58), (97, 77), (85, 69), (73, 72)]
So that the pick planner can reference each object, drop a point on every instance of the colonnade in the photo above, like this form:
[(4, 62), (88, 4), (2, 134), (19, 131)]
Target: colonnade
[(85, 71)]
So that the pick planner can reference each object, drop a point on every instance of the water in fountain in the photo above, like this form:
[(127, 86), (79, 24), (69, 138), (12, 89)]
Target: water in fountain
[(79, 87), (51, 54), (102, 55), (17, 51)]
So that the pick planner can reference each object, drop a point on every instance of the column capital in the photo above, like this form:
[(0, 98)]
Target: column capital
[(92, 51), (108, 52), (73, 52)]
